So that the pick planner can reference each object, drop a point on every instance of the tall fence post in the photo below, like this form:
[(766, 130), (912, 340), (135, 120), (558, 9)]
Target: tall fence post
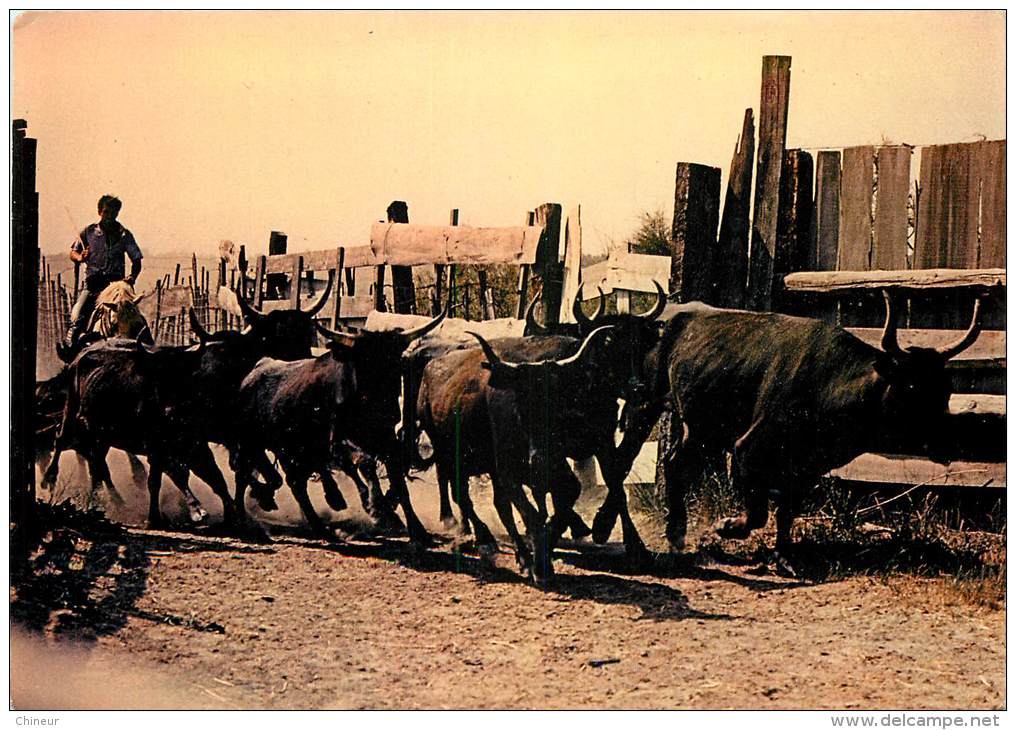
[(403, 291), (730, 263), (693, 233), (772, 132), (548, 262), (24, 312)]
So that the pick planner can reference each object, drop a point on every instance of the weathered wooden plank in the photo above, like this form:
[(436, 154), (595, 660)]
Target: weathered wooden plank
[(980, 404), (259, 281), (412, 245), (547, 260), (337, 282), (989, 347), (775, 100), (838, 281), (856, 181), (730, 261), (295, 282), (891, 469), (931, 243), (403, 290), (628, 272), (280, 263), (523, 288), (961, 200), (993, 204), (693, 232), (826, 218), (358, 256), (572, 271), (889, 239), (793, 225)]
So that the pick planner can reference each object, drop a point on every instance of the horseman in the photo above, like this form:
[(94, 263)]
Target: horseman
[(101, 247)]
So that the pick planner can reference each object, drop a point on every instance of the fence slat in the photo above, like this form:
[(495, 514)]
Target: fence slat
[(856, 183), (730, 262), (993, 205), (930, 245), (772, 133), (693, 232), (889, 240), (793, 228), (826, 220)]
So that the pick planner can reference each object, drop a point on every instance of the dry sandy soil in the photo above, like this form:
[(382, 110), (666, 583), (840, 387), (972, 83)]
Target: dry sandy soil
[(190, 619)]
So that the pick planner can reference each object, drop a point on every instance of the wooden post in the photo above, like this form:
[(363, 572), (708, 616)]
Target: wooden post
[(548, 263), (793, 223), (337, 286), (259, 282), (158, 310), (520, 309), (275, 284), (379, 289), (403, 291), (439, 272), (693, 234), (194, 274), (176, 276), (24, 339), (826, 220), (772, 139), (294, 288), (730, 264)]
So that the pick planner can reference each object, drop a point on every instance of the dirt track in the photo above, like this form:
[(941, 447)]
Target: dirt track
[(370, 623)]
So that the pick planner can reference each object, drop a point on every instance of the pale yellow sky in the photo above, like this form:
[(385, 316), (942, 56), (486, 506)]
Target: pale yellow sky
[(231, 124)]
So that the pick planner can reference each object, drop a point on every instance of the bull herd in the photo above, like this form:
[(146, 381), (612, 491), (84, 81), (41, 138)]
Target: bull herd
[(787, 398)]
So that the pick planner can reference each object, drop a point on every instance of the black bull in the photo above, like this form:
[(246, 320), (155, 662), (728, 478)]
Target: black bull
[(789, 399), (516, 413), (168, 402), (302, 411)]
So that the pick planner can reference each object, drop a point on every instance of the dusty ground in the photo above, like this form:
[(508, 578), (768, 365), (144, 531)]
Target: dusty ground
[(185, 619)]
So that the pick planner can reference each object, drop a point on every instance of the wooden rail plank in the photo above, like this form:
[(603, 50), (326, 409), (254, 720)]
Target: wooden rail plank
[(405, 244), (892, 469), (980, 404), (989, 346), (856, 183), (837, 281), (889, 238), (775, 99)]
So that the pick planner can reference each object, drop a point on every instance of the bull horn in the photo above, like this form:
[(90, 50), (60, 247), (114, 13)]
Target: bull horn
[(418, 332), (493, 361), (341, 338), (319, 303), (195, 324), (585, 345), (251, 315), (661, 302), (580, 316), (967, 339), (890, 345), (532, 325)]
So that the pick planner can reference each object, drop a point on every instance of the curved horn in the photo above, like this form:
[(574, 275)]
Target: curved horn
[(493, 361), (532, 325), (661, 302), (319, 303), (418, 332), (341, 338), (251, 315), (967, 339), (585, 345), (889, 343), (580, 316), (195, 324)]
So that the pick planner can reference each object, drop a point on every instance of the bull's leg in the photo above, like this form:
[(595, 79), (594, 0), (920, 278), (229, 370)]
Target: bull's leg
[(202, 463), (683, 465), (180, 475), (137, 469), (155, 469), (398, 488), (297, 481), (484, 537), (263, 493), (635, 549), (375, 503), (503, 505), (460, 493), (565, 492), (333, 496), (101, 467), (748, 465)]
